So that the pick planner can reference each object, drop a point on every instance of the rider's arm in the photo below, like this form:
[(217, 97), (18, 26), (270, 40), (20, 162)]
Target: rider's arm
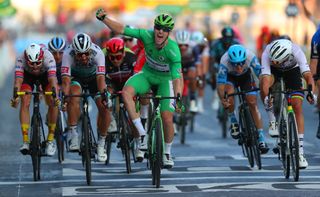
[(19, 71), (114, 25), (265, 71), (221, 80), (101, 70), (177, 78), (50, 63), (66, 71)]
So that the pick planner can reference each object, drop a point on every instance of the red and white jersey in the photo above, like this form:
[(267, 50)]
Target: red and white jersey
[(296, 59), (48, 65), (95, 66)]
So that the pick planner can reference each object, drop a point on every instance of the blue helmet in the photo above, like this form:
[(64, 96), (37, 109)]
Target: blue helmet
[(237, 53), (56, 44)]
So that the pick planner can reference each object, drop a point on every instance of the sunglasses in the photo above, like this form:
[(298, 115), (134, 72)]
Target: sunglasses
[(159, 27), (128, 39), (115, 57), (81, 54), (184, 45), (235, 64), (37, 63), (57, 52)]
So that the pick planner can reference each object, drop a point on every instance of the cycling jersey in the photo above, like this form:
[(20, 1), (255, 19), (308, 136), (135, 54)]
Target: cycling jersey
[(161, 67), (296, 59), (138, 50), (227, 69), (218, 48), (48, 66), (165, 62), (59, 73), (199, 53), (315, 49), (71, 67), (188, 60), (118, 75)]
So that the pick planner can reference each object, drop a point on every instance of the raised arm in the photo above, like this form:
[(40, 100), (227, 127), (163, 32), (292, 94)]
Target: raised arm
[(115, 26)]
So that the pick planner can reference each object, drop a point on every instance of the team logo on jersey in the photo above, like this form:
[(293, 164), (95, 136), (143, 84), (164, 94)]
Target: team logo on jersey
[(64, 69), (161, 58), (101, 69)]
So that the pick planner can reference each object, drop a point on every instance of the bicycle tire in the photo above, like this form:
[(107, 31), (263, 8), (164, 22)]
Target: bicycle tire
[(192, 115), (253, 137), (182, 127), (285, 158), (124, 141), (158, 152), (86, 148), (294, 146), (59, 139), (109, 140), (244, 136), (35, 147)]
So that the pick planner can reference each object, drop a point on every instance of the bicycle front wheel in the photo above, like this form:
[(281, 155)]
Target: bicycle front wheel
[(86, 148), (35, 147), (124, 140), (157, 153), (59, 139), (285, 157), (245, 138), (294, 146)]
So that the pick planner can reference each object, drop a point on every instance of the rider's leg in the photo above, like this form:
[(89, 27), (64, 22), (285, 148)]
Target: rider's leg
[(25, 119)]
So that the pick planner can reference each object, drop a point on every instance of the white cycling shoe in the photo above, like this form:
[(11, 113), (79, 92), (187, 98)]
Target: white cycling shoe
[(73, 141), (51, 148), (302, 162), (273, 129), (24, 148), (167, 161)]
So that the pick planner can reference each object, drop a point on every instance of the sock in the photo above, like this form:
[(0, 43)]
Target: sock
[(139, 126), (301, 143), (167, 149), (261, 136), (102, 140), (232, 117), (25, 129), (144, 110), (52, 128)]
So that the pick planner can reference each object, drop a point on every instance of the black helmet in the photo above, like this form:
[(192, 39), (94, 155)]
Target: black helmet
[(227, 32)]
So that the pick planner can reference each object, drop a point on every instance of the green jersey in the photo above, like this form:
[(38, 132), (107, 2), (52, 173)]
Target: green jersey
[(165, 62)]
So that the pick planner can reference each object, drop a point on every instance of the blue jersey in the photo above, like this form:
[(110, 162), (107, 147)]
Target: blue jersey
[(225, 67), (315, 46)]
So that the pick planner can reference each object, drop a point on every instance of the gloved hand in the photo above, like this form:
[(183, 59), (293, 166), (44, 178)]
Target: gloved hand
[(106, 100), (14, 102), (268, 103), (101, 14), (179, 108), (312, 98), (57, 102)]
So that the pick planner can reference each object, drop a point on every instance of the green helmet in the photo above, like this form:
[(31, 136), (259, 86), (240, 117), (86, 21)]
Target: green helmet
[(164, 20)]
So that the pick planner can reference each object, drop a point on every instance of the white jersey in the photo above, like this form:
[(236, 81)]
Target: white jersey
[(48, 65), (71, 67), (296, 59)]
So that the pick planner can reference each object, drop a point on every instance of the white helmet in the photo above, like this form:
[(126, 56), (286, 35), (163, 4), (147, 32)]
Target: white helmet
[(198, 37), (34, 53), (183, 37), (280, 50), (81, 43)]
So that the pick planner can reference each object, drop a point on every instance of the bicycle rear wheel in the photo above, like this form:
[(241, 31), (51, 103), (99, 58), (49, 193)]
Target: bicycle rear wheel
[(124, 140), (59, 139), (86, 148), (35, 147), (294, 146)]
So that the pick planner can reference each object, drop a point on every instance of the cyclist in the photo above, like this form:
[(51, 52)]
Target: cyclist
[(36, 64), (237, 69), (282, 58), (315, 68), (83, 67), (201, 53), (56, 46), (188, 65), (162, 69), (217, 48)]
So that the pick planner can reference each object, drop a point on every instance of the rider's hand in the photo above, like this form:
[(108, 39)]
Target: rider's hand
[(312, 98), (57, 102), (14, 102), (225, 103), (101, 14), (178, 104), (105, 99), (268, 102)]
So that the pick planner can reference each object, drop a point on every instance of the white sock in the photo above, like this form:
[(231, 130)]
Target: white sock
[(144, 110), (138, 124), (102, 140), (168, 148)]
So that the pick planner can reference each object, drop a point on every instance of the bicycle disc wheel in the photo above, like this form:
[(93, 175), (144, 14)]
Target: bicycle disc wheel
[(124, 141), (86, 148), (35, 148), (59, 139), (158, 152), (294, 146)]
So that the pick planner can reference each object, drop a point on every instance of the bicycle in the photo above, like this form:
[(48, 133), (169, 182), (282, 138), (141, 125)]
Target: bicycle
[(37, 135), (288, 146), (222, 116), (156, 138), (124, 133), (60, 133), (88, 143), (248, 130)]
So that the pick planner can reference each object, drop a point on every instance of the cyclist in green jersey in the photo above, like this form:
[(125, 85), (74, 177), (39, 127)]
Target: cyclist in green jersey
[(162, 70)]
